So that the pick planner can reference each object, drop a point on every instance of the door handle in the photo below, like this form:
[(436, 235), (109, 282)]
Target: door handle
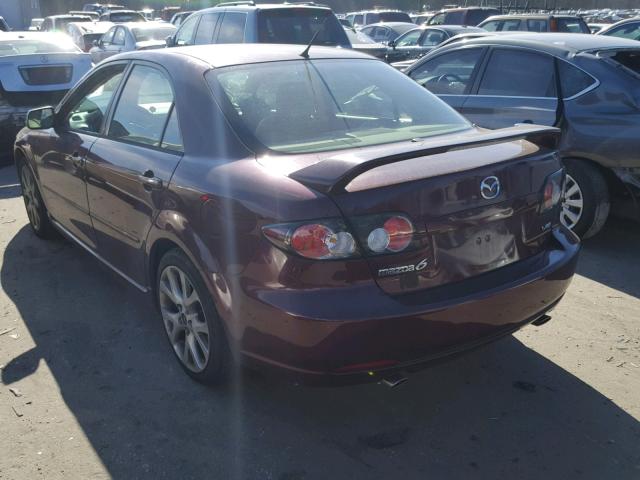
[(77, 160), (150, 181)]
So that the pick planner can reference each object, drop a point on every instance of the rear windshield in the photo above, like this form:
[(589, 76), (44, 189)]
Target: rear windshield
[(388, 17), (126, 17), (629, 59), (27, 47), (313, 106), (298, 25), (146, 34)]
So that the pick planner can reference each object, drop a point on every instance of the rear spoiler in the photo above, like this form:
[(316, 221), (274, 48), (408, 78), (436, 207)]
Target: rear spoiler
[(334, 174)]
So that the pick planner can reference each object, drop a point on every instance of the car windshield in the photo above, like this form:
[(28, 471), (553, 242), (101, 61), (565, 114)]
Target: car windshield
[(312, 106), (298, 25), (27, 47), (146, 34)]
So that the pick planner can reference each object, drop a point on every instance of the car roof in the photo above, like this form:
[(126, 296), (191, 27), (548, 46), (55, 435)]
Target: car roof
[(456, 29), (554, 43), (265, 6), (518, 16), (224, 55)]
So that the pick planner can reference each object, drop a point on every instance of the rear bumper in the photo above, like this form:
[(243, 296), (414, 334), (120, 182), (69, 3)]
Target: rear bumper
[(342, 334)]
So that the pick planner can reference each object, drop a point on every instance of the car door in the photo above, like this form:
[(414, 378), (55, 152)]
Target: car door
[(232, 28), (516, 86), (98, 52), (405, 46), (206, 29), (450, 75), (62, 156), (185, 35), (131, 165)]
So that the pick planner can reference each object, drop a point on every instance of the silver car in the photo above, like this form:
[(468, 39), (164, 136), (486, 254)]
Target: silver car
[(127, 37)]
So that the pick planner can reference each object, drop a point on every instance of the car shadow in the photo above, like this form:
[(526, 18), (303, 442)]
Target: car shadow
[(500, 412), (9, 185), (612, 256)]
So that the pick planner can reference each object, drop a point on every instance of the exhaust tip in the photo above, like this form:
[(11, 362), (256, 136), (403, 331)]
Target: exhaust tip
[(394, 380), (541, 321)]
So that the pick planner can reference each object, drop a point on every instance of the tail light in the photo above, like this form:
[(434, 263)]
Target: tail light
[(552, 192), (331, 239)]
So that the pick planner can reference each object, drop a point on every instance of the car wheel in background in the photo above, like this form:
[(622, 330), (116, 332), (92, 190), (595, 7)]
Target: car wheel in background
[(191, 322), (36, 210), (586, 204)]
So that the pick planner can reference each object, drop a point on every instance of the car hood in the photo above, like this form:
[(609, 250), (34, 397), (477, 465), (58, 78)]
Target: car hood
[(13, 80)]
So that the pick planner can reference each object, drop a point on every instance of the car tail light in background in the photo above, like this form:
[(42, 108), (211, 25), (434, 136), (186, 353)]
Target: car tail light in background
[(331, 238), (552, 192)]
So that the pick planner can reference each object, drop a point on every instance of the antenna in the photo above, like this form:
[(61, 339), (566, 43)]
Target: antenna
[(305, 52)]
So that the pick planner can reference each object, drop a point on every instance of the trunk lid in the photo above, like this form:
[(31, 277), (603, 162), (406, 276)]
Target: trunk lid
[(42, 72), (463, 228)]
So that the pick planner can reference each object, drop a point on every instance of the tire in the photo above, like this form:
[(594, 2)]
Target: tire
[(585, 183), (186, 318), (36, 209)]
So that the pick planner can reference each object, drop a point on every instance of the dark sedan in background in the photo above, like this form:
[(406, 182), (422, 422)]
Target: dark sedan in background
[(419, 41), (587, 85), (324, 215), (387, 32)]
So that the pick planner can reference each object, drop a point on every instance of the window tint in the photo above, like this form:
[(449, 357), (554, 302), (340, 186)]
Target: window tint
[(143, 107), (185, 34), (87, 114), (449, 73), (329, 104), (437, 19), (454, 18), (380, 34), (107, 38), (510, 26), (572, 25), (410, 39), (118, 38), (474, 17), (493, 26), (393, 17), (432, 37), (206, 27), (172, 139), (572, 79), (232, 28), (358, 20), (631, 31), (537, 25), (518, 73), (297, 26)]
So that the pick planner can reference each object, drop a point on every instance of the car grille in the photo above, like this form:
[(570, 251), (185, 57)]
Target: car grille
[(49, 75)]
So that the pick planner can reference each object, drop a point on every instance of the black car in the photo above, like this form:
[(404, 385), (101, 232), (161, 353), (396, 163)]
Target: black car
[(419, 41), (246, 22), (585, 84)]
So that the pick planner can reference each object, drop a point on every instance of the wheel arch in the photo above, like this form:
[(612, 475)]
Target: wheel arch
[(614, 184)]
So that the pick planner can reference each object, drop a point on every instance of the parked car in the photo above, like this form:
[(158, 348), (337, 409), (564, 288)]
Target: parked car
[(246, 22), (419, 41), (387, 32), (35, 69), (286, 211), (629, 28), (536, 23), (4, 26), (86, 34), (471, 16), (179, 18), (35, 24), (122, 16), (58, 23), (367, 17), (499, 80), (126, 37), (365, 44)]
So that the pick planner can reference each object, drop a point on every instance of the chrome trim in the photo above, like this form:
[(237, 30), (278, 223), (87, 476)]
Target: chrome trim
[(75, 239)]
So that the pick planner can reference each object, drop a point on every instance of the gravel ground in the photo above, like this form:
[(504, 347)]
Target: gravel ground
[(90, 390)]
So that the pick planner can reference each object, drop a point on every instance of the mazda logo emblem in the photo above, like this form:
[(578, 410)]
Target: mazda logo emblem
[(490, 188)]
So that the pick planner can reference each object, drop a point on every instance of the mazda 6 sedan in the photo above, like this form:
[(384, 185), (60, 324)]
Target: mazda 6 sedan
[(315, 212)]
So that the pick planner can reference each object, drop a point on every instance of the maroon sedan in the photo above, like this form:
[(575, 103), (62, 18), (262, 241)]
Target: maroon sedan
[(321, 214)]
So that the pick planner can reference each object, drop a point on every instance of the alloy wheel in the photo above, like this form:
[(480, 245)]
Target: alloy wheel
[(572, 204), (31, 198), (184, 319)]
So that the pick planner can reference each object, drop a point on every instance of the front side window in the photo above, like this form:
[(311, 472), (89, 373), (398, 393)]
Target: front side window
[(107, 38), (358, 20), (185, 34), (232, 28), (87, 114), (143, 107), (410, 39), (206, 27), (118, 38), (631, 31), (516, 73), (312, 106), (448, 74), (492, 26), (437, 19), (432, 38)]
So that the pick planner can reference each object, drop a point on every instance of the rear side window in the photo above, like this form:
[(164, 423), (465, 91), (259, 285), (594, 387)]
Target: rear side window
[(448, 74), (572, 25), (492, 26), (232, 28), (410, 39), (432, 37), (143, 107), (537, 25), (172, 139), (358, 20), (454, 18), (474, 17), (118, 38), (437, 19), (573, 80), (516, 73), (298, 25), (206, 27)]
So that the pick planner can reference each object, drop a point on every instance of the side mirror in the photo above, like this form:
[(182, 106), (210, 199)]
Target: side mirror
[(40, 118), (96, 43), (170, 41), (392, 44)]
